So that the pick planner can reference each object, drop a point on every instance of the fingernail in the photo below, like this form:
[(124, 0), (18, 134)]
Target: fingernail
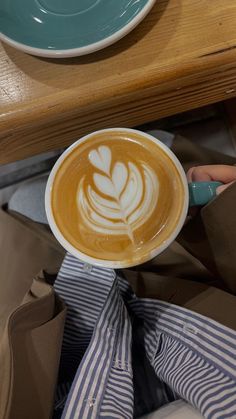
[(221, 189)]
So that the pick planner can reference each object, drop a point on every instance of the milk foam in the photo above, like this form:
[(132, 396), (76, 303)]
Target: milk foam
[(122, 197)]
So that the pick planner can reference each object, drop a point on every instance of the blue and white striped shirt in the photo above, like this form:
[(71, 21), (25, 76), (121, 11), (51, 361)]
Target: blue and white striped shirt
[(124, 356)]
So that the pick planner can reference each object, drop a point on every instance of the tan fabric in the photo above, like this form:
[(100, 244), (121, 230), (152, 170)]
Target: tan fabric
[(211, 236), (219, 219), (31, 320)]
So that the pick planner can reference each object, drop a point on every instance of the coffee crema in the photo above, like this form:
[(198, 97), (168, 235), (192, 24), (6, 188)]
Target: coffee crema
[(117, 197)]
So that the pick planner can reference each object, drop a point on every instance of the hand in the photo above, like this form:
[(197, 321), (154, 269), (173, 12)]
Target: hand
[(219, 172)]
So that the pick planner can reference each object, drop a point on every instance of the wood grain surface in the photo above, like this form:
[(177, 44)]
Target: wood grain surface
[(182, 56)]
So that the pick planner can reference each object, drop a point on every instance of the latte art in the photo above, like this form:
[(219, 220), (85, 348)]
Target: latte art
[(123, 196), (116, 197)]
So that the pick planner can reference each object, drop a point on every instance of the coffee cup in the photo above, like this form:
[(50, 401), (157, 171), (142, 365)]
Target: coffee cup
[(119, 197)]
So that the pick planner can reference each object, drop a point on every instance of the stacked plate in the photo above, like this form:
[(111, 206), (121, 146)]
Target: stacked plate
[(68, 28)]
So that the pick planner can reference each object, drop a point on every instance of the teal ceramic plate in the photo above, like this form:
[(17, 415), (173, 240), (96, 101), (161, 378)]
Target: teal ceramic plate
[(68, 28)]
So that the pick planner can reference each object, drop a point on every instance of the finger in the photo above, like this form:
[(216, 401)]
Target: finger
[(201, 174), (189, 174), (221, 173)]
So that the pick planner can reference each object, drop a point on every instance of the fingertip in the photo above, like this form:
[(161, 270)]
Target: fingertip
[(200, 174), (190, 174), (222, 188)]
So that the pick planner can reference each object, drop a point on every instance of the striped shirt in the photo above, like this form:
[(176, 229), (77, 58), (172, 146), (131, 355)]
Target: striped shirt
[(124, 356)]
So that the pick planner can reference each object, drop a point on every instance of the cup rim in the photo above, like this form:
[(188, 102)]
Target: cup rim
[(103, 262)]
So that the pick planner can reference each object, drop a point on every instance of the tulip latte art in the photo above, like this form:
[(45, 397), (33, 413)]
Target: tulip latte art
[(117, 196), (123, 196)]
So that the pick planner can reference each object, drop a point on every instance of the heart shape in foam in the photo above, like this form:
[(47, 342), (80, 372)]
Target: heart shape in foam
[(101, 159), (119, 177), (114, 185)]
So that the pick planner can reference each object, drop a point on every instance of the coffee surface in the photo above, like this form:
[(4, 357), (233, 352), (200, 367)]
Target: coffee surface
[(117, 197)]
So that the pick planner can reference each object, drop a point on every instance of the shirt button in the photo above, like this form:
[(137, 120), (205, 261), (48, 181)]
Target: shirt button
[(87, 267)]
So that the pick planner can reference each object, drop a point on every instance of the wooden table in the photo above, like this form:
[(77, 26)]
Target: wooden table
[(181, 57)]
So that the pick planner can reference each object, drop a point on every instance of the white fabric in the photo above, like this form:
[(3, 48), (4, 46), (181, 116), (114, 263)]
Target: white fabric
[(175, 410)]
